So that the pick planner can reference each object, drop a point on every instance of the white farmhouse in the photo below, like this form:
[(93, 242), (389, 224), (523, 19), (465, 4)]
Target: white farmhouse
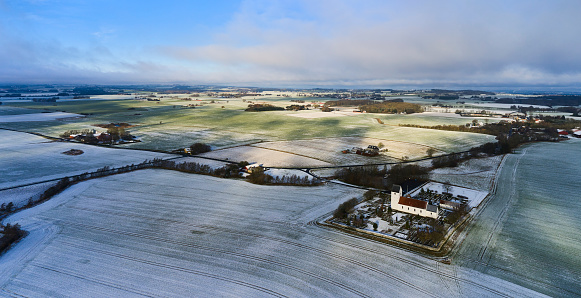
[(409, 205)]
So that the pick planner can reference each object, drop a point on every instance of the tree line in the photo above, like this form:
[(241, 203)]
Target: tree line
[(258, 176), (391, 107), (373, 176), (259, 107)]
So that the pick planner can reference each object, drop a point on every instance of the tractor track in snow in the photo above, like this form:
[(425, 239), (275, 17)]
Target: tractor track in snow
[(221, 251), (171, 267), (314, 223)]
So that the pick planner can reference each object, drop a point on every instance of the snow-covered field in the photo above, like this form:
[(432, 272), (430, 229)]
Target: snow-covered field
[(165, 233), (329, 149), (27, 158), (214, 164), (529, 231), (20, 196), (475, 197), (476, 173), (37, 117), (267, 157)]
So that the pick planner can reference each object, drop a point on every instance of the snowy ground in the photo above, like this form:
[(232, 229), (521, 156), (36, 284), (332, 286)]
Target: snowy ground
[(37, 117), (26, 158), (476, 173), (529, 231), (267, 157), (329, 149), (475, 197), (214, 164), (288, 173), (20, 196), (165, 233)]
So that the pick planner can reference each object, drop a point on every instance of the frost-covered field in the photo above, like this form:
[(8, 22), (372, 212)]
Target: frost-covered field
[(529, 231), (37, 117), (26, 158), (476, 173), (7, 110), (165, 233), (264, 156), (448, 141), (475, 197), (20, 196), (329, 149)]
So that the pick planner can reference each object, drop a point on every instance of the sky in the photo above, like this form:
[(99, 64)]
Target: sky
[(311, 43)]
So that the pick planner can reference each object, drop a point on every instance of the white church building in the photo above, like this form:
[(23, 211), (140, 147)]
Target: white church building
[(410, 205)]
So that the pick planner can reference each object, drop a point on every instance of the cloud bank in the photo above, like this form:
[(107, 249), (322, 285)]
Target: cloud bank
[(328, 43)]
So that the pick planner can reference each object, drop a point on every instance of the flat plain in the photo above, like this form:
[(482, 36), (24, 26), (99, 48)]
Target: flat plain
[(165, 233)]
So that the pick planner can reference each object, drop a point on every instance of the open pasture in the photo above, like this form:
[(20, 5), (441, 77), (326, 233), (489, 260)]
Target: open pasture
[(164, 233), (28, 158)]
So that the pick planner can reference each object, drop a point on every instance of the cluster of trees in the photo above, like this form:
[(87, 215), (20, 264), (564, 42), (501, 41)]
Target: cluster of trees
[(71, 132), (450, 161), (348, 103), (119, 133), (6, 207), (259, 107), (10, 234), (113, 134), (391, 107), (198, 148), (296, 107), (373, 176), (344, 208), (370, 176), (400, 173), (457, 213), (510, 136), (259, 177), (433, 234), (228, 171)]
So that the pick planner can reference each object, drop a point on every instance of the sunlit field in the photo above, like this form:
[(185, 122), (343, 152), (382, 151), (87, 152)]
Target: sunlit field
[(170, 124)]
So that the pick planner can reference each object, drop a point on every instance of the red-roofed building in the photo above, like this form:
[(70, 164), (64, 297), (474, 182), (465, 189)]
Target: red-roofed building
[(412, 202), (410, 205)]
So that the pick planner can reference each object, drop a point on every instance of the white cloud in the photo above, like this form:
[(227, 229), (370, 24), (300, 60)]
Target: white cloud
[(346, 42)]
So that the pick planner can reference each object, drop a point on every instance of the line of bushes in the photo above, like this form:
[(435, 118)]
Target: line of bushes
[(228, 171), (258, 176)]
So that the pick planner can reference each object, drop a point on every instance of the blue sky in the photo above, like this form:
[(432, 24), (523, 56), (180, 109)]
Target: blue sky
[(336, 43)]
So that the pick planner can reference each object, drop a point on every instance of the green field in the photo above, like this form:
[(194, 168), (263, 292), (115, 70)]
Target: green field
[(169, 124)]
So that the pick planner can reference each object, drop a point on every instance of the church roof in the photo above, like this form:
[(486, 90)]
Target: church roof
[(413, 202), (395, 188), (432, 208)]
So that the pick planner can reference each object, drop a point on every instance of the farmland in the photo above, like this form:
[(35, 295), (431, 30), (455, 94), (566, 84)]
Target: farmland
[(163, 233), (188, 234), (528, 233), (46, 161), (169, 124)]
